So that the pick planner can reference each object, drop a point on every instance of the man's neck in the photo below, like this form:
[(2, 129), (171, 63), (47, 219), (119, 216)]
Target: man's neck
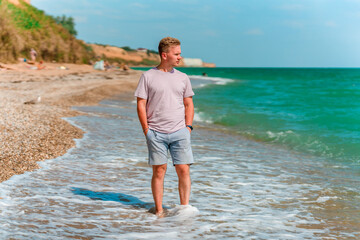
[(165, 68)]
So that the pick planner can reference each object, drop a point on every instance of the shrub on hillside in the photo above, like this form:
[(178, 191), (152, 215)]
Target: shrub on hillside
[(68, 23)]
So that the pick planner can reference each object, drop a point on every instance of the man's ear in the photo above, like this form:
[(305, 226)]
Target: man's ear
[(164, 55)]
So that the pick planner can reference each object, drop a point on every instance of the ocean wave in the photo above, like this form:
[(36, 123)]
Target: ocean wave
[(202, 117), (323, 199), (298, 142), (306, 144), (278, 135), (290, 139), (204, 80)]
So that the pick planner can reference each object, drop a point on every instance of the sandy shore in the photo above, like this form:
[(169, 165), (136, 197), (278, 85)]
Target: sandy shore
[(33, 130)]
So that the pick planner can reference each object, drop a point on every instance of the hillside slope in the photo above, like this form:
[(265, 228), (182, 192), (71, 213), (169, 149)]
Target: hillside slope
[(131, 57), (23, 27), (142, 57)]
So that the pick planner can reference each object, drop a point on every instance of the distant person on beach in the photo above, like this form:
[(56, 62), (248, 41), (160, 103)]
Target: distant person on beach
[(166, 111), (41, 66), (99, 64), (33, 55), (107, 65)]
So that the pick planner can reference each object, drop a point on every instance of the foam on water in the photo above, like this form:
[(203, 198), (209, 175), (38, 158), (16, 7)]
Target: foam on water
[(200, 117), (241, 189), (182, 212), (201, 81), (321, 112)]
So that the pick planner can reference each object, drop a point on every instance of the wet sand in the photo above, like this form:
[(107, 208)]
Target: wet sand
[(33, 103)]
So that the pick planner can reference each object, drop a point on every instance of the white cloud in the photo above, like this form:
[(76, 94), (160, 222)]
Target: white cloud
[(294, 24), (292, 7), (191, 2), (81, 19), (331, 24), (254, 31), (138, 5), (355, 14), (210, 33)]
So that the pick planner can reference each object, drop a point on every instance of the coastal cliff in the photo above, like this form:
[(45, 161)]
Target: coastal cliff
[(140, 56), (126, 55), (23, 27), (17, 2)]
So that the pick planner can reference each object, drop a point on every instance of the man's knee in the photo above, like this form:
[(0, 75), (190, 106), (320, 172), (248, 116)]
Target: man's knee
[(183, 169), (159, 170)]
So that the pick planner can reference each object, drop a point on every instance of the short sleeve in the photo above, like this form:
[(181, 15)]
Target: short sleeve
[(142, 89), (188, 89)]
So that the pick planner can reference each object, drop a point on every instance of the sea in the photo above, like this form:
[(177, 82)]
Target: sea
[(277, 156)]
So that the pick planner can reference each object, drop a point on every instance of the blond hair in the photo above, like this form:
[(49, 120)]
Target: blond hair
[(166, 43)]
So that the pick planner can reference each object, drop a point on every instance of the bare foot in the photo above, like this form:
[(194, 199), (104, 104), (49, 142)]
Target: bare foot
[(160, 214)]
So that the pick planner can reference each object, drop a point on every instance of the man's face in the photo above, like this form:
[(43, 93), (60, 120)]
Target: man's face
[(173, 55)]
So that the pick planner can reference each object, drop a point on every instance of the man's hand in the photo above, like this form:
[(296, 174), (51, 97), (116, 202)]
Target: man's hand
[(189, 129), (189, 111), (146, 131)]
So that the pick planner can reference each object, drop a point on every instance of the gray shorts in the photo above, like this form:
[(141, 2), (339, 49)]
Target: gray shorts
[(178, 143)]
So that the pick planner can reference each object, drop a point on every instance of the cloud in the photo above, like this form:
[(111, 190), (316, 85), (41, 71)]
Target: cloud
[(331, 24), (254, 31), (292, 7), (294, 24), (190, 2), (210, 33), (139, 5), (81, 19)]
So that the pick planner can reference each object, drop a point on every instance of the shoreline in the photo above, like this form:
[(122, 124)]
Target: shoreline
[(34, 102)]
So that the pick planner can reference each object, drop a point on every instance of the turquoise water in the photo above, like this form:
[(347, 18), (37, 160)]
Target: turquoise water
[(241, 189), (313, 111), (276, 187)]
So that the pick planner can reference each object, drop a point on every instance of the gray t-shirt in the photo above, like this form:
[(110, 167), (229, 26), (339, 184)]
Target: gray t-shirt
[(165, 93)]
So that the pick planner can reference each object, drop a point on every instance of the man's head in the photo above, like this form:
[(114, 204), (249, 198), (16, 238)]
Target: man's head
[(166, 43), (169, 50)]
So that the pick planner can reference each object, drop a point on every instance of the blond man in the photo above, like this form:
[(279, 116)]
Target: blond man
[(166, 111)]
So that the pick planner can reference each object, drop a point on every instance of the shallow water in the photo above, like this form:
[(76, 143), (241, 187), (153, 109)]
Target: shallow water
[(241, 189), (309, 110)]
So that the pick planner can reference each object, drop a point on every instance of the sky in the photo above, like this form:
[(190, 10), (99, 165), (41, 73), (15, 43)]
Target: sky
[(229, 33)]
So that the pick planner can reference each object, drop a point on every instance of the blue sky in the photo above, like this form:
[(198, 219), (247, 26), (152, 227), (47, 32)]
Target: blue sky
[(230, 33)]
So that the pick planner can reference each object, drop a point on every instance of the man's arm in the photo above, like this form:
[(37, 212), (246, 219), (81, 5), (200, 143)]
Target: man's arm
[(141, 110), (189, 111)]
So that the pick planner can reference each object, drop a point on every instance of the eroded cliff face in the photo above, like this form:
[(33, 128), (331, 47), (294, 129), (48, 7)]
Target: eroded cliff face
[(142, 57), (120, 55), (22, 27), (17, 2)]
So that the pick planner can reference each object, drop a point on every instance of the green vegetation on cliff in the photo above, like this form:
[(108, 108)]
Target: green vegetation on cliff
[(68, 23), (23, 27)]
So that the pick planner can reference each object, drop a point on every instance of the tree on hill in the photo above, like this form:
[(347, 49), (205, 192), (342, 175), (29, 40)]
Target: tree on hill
[(68, 23)]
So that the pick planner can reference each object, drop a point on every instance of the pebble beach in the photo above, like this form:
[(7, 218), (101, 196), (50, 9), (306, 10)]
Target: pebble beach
[(100, 188), (33, 104)]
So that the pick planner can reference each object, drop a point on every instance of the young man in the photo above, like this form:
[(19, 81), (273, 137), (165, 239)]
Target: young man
[(166, 111)]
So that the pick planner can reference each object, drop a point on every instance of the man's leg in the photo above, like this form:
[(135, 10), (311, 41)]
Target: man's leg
[(183, 172), (157, 186)]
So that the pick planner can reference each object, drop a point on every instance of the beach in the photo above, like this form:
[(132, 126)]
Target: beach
[(34, 103), (253, 177)]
